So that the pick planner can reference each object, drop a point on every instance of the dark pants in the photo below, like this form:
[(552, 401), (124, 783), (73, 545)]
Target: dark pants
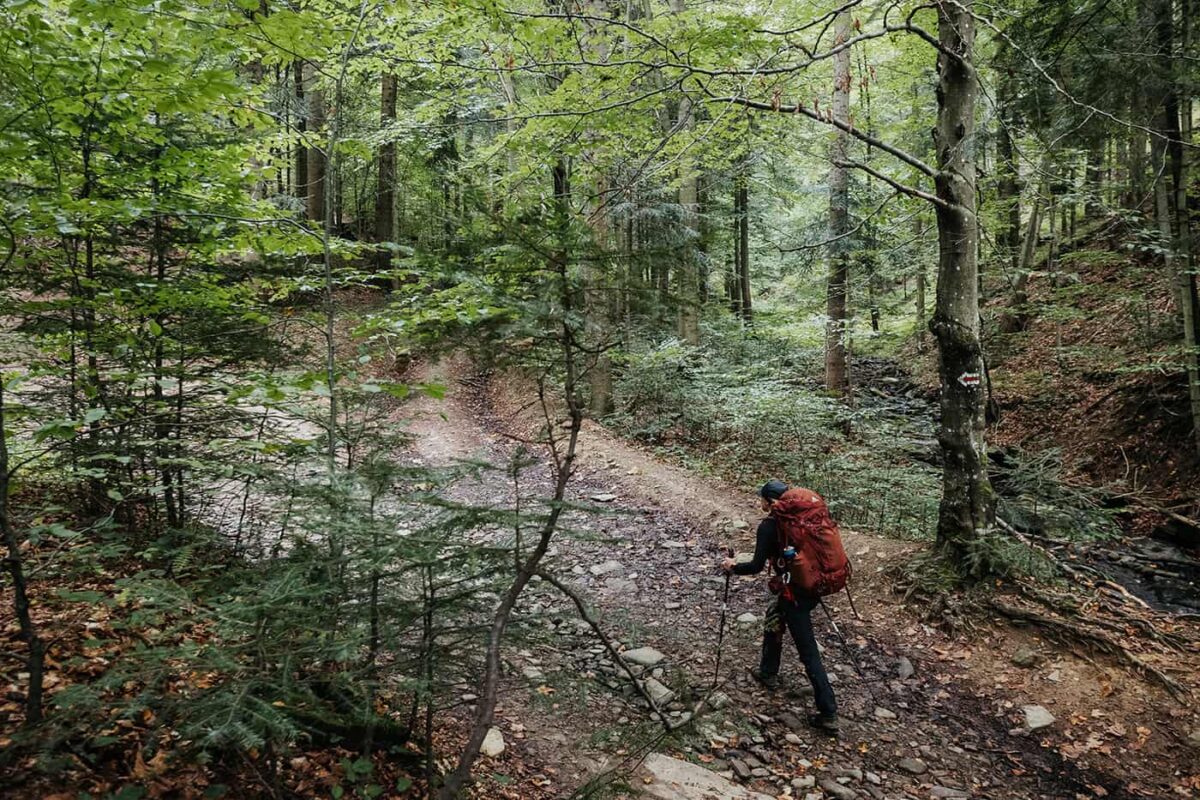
[(797, 617)]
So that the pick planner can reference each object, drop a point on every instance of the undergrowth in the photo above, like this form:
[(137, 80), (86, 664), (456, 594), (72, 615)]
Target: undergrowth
[(749, 407)]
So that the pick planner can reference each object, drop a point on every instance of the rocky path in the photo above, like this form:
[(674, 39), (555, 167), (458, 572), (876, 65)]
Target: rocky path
[(927, 717)]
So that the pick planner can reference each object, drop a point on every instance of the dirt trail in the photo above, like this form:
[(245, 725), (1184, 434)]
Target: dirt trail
[(929, 716)]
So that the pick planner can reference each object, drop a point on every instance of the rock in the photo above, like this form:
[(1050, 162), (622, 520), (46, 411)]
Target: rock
[(792, 721), (665, 778), (747, 619), (661, 694), (673, 545), (855, 774), (493, 743), (804, 782), (605, 568), (470, 698), (835, 789), (946, 793), (883, 713), (604, 497), (1193, 739), (740, 768), (718, 700), (873, 778), (1037, 717), (532, 674), (904, 668), (643, 656), (620, 586), (913, 766), (1025, 657), (672, 606), (792, 738)]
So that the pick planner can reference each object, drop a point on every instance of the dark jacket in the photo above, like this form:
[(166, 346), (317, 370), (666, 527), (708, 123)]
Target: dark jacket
[(766, 546)]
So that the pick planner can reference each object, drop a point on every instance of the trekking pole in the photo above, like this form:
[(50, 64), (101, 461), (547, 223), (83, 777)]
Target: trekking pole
[(849, 652), (721, 627)]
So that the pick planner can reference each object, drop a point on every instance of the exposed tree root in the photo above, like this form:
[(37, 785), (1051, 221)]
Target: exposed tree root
[(1074, 631)]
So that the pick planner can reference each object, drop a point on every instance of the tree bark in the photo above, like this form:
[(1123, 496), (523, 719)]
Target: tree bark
[(966, 513), (300, 185), (837, 377), (14, 562), (385, 206), (745, 304), (689, 267), (919, 229), (316, 156)]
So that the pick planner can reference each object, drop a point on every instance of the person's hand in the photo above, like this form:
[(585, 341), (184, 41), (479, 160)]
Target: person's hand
[(727, 565)]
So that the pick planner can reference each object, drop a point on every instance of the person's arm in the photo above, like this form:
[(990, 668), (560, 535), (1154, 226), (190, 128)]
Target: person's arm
[(764, 545)]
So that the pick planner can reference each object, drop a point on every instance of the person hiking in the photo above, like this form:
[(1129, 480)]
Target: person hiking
[(787, 608)]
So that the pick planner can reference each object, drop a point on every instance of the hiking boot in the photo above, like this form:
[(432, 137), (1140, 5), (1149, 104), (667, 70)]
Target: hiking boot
[(768, 682), (825, 723)]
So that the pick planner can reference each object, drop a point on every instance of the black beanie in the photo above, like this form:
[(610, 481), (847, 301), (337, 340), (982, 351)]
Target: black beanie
[(772, 489)]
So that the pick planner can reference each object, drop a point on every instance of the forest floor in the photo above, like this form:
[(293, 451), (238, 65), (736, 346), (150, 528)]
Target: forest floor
[(957, 726)]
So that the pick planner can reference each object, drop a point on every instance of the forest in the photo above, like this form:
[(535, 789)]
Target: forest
[(386, 389)]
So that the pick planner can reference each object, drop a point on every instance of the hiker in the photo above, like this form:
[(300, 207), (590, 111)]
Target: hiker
[(790, 608)]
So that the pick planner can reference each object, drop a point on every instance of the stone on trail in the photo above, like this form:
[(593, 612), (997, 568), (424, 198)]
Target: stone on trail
[(741, 769), (883, 713), (913, 766), (747, 619), (947, 793), (604, 497), (661, 694), (835, 789), (643, 656), (1025, 657), (804, 782), (666, 778), (1037, 717), (493, 743), (672, 545), (532, 674), (605, 568), (904, 668), (1193, 739)]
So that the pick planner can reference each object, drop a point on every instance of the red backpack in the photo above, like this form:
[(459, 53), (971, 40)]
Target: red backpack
[(820, 566)]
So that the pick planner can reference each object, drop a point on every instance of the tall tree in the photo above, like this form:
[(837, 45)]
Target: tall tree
[(689, 199), (837, 375), (968, 502), (385, 207)]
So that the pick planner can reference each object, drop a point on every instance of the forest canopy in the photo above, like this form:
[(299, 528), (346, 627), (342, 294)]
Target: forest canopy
[(314, 316)]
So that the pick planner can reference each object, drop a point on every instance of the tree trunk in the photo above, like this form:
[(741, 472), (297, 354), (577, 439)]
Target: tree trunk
[(300, 186), (1175, 97), (919, 230), (27, 629), (689, 268), (743, 245), (837, 378), (1009, 187), (385, 206), (316, 156), (967, 507)]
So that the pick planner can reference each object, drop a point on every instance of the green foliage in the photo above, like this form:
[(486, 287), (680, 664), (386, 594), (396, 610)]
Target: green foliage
[(751, 407)]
